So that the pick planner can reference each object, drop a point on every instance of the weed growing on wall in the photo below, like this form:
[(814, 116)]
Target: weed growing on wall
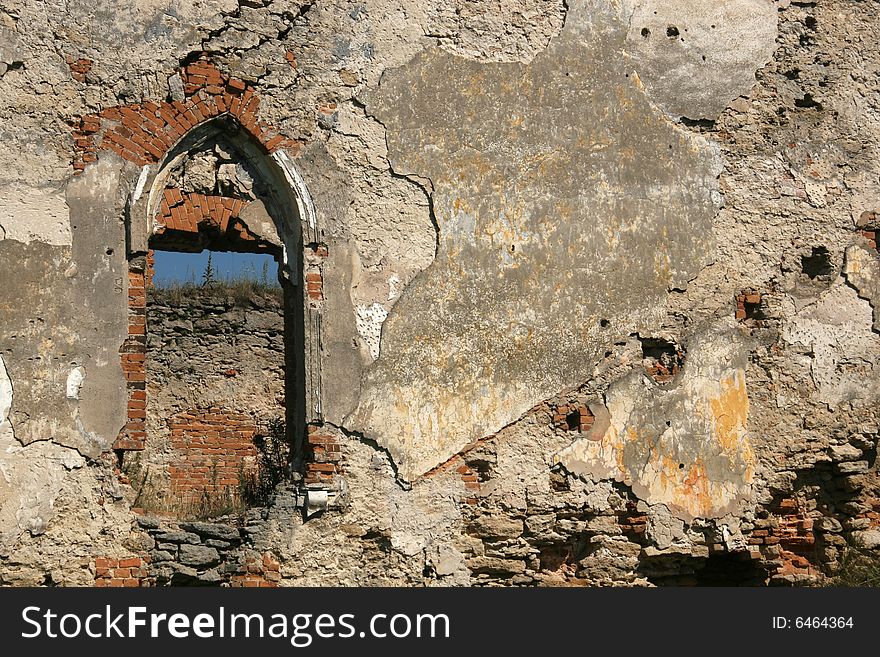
[(273, 453)]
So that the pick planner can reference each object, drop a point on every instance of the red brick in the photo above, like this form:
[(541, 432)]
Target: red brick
[(236, 85)]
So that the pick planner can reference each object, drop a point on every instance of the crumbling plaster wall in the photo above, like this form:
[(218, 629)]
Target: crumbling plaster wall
[(516, 217)]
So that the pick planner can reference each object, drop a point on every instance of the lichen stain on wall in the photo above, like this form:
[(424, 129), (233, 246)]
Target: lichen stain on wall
[(563, 197)]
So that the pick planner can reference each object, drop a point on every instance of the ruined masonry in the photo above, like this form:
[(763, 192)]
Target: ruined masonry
[(569, 293)]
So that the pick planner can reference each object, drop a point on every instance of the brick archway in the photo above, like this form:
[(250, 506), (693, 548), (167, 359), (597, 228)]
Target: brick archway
[(144, 132), (155, 135)]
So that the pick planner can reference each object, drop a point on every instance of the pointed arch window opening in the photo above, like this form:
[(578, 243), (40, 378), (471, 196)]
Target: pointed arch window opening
[(218, 189)]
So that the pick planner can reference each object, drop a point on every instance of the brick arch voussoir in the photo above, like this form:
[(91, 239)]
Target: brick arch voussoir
[(144, 132)]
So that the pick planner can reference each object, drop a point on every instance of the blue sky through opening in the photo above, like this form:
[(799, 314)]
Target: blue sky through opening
[(172, 267)]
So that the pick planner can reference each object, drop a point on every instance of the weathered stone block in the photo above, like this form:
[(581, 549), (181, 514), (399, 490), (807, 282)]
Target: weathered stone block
[(496, 566), (496, 527), (198, 555), (213, 530), (178, 537)]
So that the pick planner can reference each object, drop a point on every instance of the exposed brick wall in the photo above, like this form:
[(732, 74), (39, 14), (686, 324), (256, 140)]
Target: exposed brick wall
[(661, 373), (79, 68), (632, 522), (661, 358), (186, 211), (133, 354), (143, 132), (316, 255), (215, 398), (869, 225), (323, 457), (128, 572), (470, 474), (573, 417), (471, 481), (262, 572), (748, 306), (213, 450), (789, 534), (182, 215)]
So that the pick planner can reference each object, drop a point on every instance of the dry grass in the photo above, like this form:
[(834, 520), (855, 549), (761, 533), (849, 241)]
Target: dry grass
[(243, 290), (858, 568)]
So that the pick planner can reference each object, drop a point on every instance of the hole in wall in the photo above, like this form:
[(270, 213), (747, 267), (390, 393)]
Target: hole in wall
[(646, 32), (751, 307), (573, 416), (215, 347), (703, 124), (718, 569), (868, 226), (482, 467), (754, 308), (730, 569), (661, 358), (672, 31), (808, 102), (817, 264)]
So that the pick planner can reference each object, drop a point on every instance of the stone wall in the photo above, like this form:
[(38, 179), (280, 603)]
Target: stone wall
[(574, 292), (215, 388)]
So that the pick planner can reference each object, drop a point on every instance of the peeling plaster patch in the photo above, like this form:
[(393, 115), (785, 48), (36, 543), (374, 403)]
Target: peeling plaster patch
[(837, 329), (685, 447), (369, 325), (562, 197), (5, 397), (31, 478), (74, 382), (696, 56), (32, 214), (862, 271)]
